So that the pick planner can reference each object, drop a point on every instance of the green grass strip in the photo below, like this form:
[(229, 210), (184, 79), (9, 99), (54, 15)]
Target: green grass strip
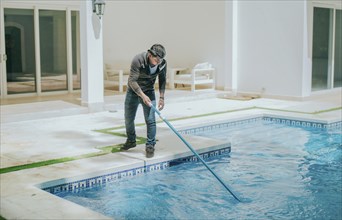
[(301, 112), (107, 130), (103, 151), (110, 130), (211, 114), (328, 110), (48, 162)]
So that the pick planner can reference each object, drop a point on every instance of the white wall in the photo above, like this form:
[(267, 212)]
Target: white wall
[(271, 40), (270, 47), (191, 31)]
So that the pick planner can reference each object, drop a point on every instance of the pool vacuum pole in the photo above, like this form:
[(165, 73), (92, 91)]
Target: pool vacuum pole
[(194, 152)]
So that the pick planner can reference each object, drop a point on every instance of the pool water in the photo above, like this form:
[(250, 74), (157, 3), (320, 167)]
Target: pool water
[(280, 172)]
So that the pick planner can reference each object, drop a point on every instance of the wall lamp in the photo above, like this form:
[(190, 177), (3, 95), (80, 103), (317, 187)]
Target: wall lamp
[(98, 7)]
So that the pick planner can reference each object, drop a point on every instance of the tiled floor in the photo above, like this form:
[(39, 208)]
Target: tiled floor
[(55, 127)]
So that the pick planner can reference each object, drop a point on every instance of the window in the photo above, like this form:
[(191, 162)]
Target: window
[(326, 49), (43, 62), (20, 52)]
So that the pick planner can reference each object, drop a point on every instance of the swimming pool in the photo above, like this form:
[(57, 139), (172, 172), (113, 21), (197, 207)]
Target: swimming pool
[(280, 170)]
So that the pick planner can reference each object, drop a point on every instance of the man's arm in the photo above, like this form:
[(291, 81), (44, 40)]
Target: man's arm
[(134, 76), (162, 83), (133, 80)]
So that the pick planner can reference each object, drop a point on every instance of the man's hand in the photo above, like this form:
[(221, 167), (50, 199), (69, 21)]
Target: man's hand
[(146, 99), (161, 103)]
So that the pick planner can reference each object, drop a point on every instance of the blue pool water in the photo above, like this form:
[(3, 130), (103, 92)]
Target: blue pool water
[(280, 172)]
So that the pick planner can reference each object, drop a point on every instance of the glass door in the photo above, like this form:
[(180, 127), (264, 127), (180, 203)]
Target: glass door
[(44, 38), (326, 49), (53, 52), (338, 50), (20, 51)]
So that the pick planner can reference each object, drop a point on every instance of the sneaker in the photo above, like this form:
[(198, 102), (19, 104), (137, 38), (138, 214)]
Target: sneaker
[(149, 151), (128, 145)]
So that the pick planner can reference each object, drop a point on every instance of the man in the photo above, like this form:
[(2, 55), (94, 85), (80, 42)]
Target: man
[(145, 68)]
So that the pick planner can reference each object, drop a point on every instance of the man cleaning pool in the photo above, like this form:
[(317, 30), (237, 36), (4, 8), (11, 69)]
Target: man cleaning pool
[(145, 69)]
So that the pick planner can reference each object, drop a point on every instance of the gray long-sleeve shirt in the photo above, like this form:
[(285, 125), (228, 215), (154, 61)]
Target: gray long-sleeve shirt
[(140, 78)]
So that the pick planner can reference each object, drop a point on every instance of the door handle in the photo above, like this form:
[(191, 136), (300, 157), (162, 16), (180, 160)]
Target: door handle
[(3, 58)]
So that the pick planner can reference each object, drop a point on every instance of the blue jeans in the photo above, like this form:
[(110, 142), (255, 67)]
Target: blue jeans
[(132, 102)]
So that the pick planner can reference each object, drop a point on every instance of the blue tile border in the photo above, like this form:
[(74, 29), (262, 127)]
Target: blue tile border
[(302, 123), (205, 156), (79, 185), (284, 121)]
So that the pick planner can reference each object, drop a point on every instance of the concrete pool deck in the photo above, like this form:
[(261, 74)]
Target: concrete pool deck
[(52, 129)]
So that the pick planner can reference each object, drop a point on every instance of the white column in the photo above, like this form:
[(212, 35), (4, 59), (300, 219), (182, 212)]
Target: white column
[(92, 90), (37, 51), (307, 52), (231, 46), (235, 48), (228, 24)]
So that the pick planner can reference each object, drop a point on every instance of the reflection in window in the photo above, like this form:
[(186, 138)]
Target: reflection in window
[(320, 50), (19, 43), (76, 63), (326, 49), (53, 53)]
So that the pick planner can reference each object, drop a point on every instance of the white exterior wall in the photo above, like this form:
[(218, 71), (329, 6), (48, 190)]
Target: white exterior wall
[(271, 47), (191, 31), (267, 55)]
